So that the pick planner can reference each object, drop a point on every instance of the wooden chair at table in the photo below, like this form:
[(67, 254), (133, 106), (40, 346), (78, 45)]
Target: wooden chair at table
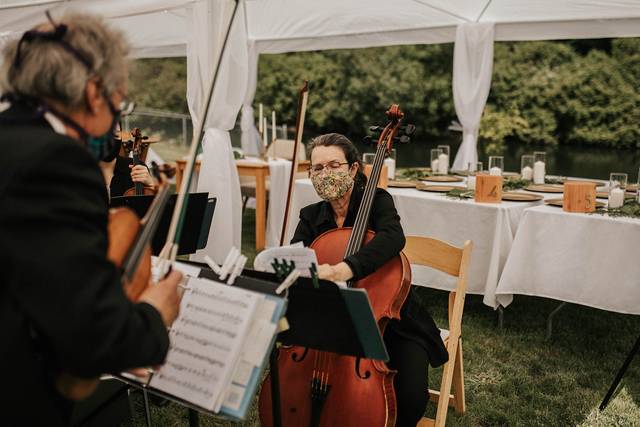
[(282, 148), (455, 262)]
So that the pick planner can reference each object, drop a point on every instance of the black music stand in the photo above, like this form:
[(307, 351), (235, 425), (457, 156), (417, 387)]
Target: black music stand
[(196, 225), (350, 330)]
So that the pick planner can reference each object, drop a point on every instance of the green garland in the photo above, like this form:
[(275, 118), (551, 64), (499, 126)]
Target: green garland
[(460, 194), (630, 209), (413, 174)]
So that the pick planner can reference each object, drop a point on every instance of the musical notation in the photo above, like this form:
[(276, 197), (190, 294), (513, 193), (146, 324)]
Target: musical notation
[(206, 340), (225, 316)]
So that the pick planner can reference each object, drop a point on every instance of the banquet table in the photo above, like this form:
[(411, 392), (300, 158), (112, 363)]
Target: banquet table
[(491, 227), (587, 259)]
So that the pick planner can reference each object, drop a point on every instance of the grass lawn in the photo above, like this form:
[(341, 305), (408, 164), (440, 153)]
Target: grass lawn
[(514, 377)]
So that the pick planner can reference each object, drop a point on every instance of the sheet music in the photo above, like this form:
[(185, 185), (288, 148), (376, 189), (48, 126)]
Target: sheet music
[(206, 341), (258, 342), (303, 257)]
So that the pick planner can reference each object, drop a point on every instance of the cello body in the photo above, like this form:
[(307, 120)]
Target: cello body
[(325, 389)]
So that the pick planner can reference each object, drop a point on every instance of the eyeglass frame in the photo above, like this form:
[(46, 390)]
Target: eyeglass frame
[(336, 165)]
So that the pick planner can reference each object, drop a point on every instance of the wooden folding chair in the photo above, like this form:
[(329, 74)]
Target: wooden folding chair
[(454, 261)]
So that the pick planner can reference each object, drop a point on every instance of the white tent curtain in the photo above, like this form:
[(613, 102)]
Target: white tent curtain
[(218, 174), (250, 137), (472, 69)]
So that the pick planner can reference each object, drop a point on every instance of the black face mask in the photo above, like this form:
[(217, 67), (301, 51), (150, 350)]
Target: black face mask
[(103, 147)]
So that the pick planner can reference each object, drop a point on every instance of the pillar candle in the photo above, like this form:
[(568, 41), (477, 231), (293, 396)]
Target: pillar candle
[(391, 167), (260, 121), (284, 131), (273, 125), (527, 173), (496, 171), (264, 134), (471, 182), (616, 198), (443, 164), (434, 165), (539, 172)]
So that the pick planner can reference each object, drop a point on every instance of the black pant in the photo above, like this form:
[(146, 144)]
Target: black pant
[(411, 382)]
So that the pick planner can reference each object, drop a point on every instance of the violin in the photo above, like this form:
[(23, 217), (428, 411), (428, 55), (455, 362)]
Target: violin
[(130, 250), (138, 147), (326, 389)]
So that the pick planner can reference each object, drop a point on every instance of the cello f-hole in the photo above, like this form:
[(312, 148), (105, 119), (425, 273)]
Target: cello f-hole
[(295, 357), (366, 375)]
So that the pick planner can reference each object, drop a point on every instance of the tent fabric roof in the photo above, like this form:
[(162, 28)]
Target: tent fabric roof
[(293, 25), (159, 27)]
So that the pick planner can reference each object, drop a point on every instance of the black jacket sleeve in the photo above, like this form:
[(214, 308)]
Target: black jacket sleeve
[(387, 242), (53, 232), (304, 232)]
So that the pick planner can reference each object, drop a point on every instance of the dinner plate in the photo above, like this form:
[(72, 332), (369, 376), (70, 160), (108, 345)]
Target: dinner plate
[(436, 188), (513, 196), (442, 178), (605, 195), (558, 203), (401, 183), (545, 188)]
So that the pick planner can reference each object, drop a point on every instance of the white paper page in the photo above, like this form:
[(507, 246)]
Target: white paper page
[(255, 349), (303, 257), (206, 341)]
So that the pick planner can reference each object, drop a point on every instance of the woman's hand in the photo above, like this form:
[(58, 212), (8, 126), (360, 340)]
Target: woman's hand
[(140, 173), (336, 273)]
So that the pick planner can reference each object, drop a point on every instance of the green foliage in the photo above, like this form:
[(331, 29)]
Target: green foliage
[(574, 92), (160, 84), (350, 89)]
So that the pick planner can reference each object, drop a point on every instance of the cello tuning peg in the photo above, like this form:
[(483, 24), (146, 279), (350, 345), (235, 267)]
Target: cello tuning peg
[(409, 130), (374, 129), (403, 139)]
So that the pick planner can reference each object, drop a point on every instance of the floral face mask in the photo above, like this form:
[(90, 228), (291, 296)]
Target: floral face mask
[(333, 184)]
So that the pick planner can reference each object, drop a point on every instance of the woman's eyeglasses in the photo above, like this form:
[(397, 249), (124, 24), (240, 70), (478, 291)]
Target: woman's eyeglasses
[(333, 165)]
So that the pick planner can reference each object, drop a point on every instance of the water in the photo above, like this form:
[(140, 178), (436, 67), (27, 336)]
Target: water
[(564, 160)]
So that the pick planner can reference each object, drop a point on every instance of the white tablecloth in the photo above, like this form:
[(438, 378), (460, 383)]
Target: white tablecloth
[(586, 259), (279, 171), (491, 227)]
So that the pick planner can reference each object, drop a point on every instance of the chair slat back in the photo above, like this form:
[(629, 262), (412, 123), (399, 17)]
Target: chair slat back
[(433, 253)]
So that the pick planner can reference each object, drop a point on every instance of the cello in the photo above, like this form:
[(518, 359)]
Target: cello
[(326, 389)]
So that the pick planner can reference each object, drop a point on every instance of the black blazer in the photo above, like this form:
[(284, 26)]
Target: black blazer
[(62, 307), (415, 322)]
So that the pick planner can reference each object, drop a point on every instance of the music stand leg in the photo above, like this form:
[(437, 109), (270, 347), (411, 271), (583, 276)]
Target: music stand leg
[(275, 387), (619, 375), (147, 413), (193, 418)]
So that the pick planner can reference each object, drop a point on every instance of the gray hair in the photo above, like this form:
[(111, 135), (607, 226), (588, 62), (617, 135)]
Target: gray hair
[(48, 71)]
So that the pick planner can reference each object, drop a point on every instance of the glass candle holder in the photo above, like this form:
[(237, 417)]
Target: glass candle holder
[(368, 158), (617, 187), (526, 167), (496, 165), (539, 167), (435, 155), (443, 160), (474, 168), (390, 163)]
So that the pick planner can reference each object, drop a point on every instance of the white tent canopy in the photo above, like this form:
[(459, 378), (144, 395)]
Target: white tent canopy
[(160, 28)]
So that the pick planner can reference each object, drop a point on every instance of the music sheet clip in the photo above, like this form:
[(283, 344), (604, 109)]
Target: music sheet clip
[(212, 265), (314, 275), (229, 262), (290, 280), (237, 269)]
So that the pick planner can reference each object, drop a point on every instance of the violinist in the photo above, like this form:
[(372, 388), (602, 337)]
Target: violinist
[(125, 174), (62, 305), (414, 341)]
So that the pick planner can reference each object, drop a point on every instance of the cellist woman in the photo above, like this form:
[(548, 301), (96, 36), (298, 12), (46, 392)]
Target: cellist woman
[(414, 341)]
